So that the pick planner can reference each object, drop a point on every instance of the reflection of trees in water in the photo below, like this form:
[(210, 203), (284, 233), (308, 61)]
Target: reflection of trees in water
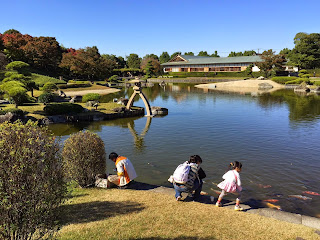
[(301, 107)]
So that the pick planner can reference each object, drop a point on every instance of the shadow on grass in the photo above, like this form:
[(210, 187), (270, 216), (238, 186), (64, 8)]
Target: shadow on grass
[(95, 211), (177, 238)]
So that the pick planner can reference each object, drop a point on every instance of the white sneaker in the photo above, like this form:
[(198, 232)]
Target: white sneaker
[(218, 204), (178, 198), (238, 208)]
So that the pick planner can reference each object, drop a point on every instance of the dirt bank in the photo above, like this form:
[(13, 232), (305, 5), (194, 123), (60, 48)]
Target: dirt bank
[(243, 86)]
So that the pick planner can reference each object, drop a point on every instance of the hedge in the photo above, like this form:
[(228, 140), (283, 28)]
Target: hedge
[(299, 81), (79, 82), (283, 80), (74, 85), (16, 111), (62, 108), (213, 74), (91, 97)]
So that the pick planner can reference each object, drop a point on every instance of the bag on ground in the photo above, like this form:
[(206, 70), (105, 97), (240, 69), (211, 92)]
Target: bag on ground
[(181, 173)]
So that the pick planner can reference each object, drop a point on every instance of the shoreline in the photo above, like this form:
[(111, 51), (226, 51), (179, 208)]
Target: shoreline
[(305, 220)]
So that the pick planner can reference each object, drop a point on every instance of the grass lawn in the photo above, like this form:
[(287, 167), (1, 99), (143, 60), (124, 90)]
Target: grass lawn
[(36, 109), (93, 87), (42, 79), (132, 214)]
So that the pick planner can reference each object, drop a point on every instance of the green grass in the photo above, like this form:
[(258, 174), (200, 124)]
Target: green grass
[(42, 79), (131, 214), (36, 109)]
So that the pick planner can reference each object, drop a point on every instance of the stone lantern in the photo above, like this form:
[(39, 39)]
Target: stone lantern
[(138, 90)]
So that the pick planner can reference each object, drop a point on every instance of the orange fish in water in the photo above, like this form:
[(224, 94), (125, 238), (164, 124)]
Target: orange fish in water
[(263, 186), (270, 205), (203, 193), (271, 200), (311, 193)]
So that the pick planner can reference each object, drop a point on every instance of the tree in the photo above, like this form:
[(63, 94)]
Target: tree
[(175, 54), (15, 90), (285, 52), (14, 45), (153, 56), (189, 53), (149, 69), (43, 53), (133, 61), (164, 57), (119, 61), (154, 69), (49, 87), (306, 53), (271, 62), (84, 156), (249, 53), (249, 70), (215, 54), (20, 71), (11, 31), (87, 63), (203, 54), (31, 181)]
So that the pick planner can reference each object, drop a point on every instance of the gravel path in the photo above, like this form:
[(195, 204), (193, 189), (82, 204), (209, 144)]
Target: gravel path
[(84, 92)]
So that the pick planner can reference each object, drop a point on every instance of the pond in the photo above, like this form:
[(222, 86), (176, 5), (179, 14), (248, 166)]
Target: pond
[(275, 136)]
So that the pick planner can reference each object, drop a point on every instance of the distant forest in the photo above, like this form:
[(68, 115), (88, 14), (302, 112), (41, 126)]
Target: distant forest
[(47, 56)]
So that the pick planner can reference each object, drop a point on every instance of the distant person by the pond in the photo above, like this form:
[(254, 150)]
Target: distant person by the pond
[(186, 178), (125, 171), (231, 184)]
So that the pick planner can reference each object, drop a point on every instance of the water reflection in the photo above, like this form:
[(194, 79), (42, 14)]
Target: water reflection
[(139, 138)]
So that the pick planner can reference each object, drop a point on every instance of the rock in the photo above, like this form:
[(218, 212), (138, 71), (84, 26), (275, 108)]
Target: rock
[(102, 181), (8, 117), (260, 78), (119, 109), (159, 111), (302, 88), (91, 103), (265, 86), (76, 99)]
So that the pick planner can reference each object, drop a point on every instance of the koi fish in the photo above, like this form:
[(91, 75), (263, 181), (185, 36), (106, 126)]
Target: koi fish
[(263, 186), (311, 193), (203, 193), (270, 205), (300, 197), (217, 192), (271, 200)]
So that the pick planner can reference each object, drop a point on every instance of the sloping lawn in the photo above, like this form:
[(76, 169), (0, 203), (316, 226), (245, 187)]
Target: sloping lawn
[(132, 214)]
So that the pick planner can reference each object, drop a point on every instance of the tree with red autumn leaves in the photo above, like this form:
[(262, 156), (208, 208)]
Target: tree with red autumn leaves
[(87, 63)]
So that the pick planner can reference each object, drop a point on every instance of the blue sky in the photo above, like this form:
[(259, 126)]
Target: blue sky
[(122, 27)]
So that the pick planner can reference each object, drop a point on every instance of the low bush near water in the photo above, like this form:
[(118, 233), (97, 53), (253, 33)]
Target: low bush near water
[(299, 81), (31, 181), (74, 85), (84, 157), (16, 111), (91, 97), (283, 80), (62, 108), (46, 97)]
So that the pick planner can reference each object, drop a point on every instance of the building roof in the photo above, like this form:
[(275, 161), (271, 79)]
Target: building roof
[(187, 60)]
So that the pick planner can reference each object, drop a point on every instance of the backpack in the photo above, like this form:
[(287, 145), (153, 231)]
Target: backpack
[(181, 173)]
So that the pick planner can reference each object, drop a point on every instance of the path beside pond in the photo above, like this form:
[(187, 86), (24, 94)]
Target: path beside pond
[(84, 92)]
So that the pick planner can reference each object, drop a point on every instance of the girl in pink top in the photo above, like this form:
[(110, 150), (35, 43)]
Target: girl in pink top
[(231, 184)]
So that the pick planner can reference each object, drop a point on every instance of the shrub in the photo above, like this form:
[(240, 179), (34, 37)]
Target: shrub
[(113, 78), (317, 83), (283, 80), (20, 67), (41, 80), (31, 181), (49, 87), (299, 81), (74, 85), (84, 157), (46, 97), (78, 82), (91, 97), (15, 111), (62, 108)]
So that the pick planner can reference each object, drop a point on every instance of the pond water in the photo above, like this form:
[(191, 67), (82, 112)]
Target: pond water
[(275, 136)]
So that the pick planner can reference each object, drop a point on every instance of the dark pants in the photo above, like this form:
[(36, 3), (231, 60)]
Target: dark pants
[(197, 187)]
